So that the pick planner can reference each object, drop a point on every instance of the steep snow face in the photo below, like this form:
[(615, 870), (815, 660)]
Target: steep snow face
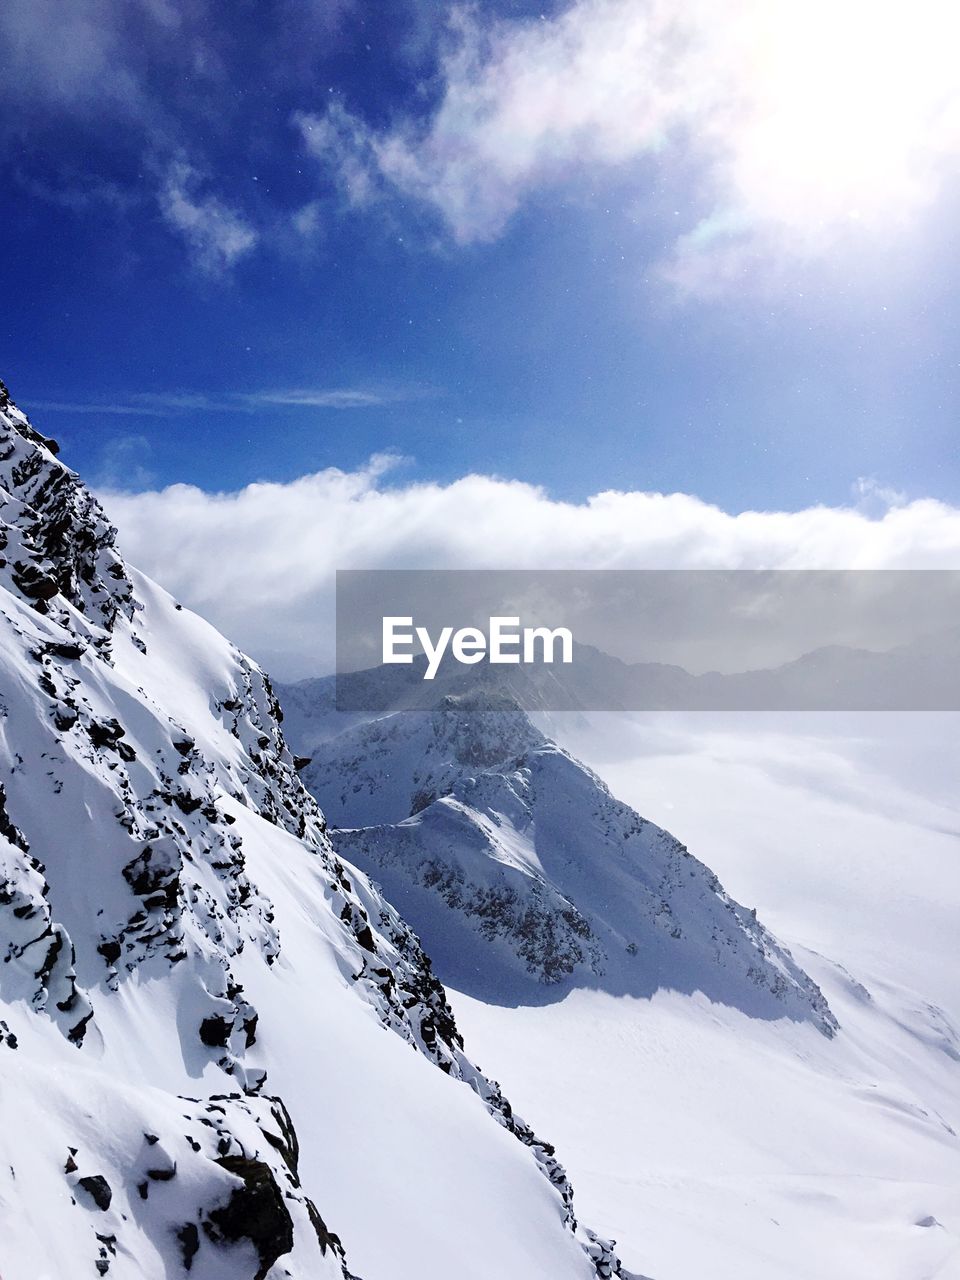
[(196, 995), (523, 876)]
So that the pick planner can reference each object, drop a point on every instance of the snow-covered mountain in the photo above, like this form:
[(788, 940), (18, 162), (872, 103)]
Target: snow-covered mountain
[(524, 876), (221, 1049)]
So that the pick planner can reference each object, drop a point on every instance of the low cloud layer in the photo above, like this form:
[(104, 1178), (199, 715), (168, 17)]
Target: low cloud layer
[(260, 562)]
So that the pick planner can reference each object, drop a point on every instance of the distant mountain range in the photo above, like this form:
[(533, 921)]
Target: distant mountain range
[(923, 675)]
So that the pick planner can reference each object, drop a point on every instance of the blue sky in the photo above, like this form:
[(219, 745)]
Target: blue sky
[(590, 246)]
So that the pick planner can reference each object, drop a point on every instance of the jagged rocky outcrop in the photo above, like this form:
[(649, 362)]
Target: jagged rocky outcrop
[(524, 876), (176, 931), (38, 951), (58, 546)]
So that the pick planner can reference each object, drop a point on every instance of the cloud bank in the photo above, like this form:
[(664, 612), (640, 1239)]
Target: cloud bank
[(260, 562)]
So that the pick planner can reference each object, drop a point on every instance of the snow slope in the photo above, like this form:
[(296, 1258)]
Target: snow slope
[(215, 1039)]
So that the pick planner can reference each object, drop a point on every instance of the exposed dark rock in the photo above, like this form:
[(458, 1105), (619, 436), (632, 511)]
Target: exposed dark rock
[(150, 874), (189, 1238), (76, 1033), (97, 1187), (286, 1142), (63, 649), (34, 583), (215, 1031), (65, 717), (108, 1250), (66, 543), (110, 950), (185, 803), (364, 936), (255, 1211), (105, 733), (327, 1238), (7, 828)]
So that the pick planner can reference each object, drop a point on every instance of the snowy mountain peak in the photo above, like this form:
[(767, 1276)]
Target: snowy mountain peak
[(524, 876), (483, 728)]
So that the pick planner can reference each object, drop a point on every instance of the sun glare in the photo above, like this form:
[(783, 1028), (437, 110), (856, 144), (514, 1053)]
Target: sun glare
[(853, 108)]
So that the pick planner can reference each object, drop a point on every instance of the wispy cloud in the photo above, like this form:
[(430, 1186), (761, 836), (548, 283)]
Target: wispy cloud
[(78, 406), (124, 464), (103, 67), (217, 236), (873, 497), (805, 121), (150, 404), (335, 399), (343, 143), (789, 124), (74, 56)]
